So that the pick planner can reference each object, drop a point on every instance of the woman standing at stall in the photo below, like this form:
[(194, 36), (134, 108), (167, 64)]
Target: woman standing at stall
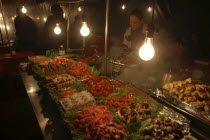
[(136, 33), (133, 38)]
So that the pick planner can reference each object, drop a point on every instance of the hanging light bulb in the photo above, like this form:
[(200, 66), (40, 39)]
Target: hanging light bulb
[(57, 29), (149, 9), (24, 10), (84, 31), (79, 9), (123, 7), (147, 52), (45, 19), (8, 28)]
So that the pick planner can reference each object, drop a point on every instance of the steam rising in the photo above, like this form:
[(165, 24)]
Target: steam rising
[(152, 74)]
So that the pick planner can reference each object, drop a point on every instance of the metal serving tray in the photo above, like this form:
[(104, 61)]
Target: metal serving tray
[(198, 114)]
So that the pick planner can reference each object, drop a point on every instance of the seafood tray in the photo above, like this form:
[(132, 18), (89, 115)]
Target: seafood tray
[(198, 114)]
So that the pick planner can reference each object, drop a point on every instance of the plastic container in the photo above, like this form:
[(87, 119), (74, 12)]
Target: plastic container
[(61, 50)]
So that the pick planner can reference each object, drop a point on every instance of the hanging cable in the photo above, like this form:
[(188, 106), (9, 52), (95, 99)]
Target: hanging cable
[(84, 31), (153, 11), (147, 51)]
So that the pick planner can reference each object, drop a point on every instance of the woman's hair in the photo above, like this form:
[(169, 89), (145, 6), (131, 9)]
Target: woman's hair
[(137, 13)]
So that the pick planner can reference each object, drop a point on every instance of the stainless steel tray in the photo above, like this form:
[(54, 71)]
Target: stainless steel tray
[(120, 64), (198, 114)]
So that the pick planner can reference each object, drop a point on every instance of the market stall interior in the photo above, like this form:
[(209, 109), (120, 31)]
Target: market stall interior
[(102, 69)]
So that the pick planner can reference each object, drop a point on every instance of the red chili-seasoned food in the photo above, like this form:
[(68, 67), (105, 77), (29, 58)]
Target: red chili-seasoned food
[(99, 87), (118, 83), (61, 61), (117, 103), (110, 131), (67, 93), (92, 80), (80, 70), (91, 116), (96, 121)]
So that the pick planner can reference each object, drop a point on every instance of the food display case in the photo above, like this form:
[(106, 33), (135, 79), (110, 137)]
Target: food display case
[(86, 104)]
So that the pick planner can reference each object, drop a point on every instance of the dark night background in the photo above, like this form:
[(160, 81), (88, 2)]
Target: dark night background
[(186, 21), (192, 18)]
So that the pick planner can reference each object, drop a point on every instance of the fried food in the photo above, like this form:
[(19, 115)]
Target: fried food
[(192, 92)]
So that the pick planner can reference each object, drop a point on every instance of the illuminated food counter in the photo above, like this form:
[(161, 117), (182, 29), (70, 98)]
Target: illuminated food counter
[(73, 100)]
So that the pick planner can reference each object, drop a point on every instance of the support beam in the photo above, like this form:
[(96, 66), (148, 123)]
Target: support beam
[(106, 37), (5, 25)]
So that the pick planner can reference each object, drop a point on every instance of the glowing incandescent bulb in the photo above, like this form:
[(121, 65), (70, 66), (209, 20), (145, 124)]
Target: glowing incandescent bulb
[(79, 9), (123, 7), (84, 31), (147, 52), (24, 10), (149, 9), (57, 29)]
